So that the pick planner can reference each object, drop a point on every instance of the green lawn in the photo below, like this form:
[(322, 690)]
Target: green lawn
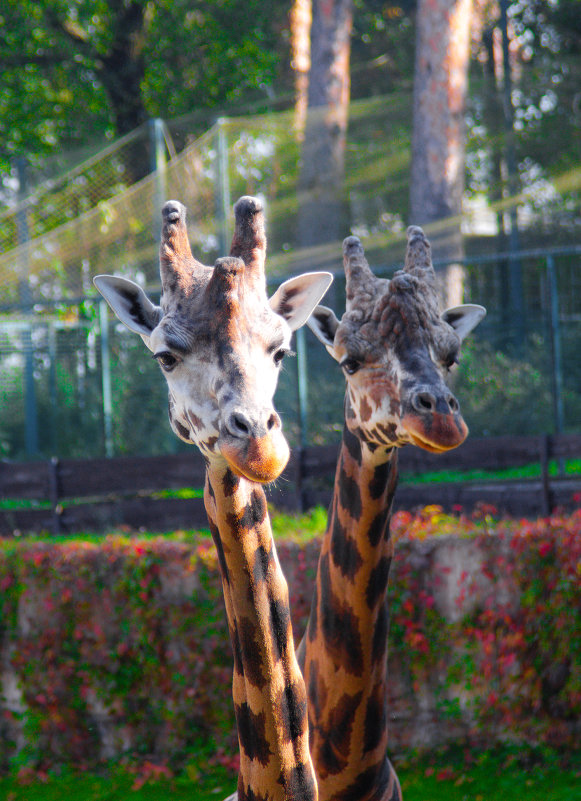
[(572, 467), (492, 777), (500, 776)]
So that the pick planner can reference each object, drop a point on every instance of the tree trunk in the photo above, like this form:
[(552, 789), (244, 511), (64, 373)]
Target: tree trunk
[(122, 69), (321, 217), (300, 24), (438, 141)]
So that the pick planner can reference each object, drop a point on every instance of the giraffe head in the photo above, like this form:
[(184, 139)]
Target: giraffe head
[(396, 349), (219, 340)]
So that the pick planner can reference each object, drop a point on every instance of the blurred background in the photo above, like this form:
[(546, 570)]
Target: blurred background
[(460, 116)]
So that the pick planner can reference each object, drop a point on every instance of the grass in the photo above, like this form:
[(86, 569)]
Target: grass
[(500, 775), (120, 786), (572, 467), (298, 527), (505, 774)]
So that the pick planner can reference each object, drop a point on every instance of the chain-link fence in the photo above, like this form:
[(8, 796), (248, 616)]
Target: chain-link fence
[(80, 384), (73, 382)]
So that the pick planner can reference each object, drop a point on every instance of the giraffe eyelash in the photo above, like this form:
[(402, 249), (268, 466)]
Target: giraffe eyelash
[(166, 360)]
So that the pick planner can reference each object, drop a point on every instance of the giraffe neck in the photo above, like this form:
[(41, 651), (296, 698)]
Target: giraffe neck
[(345, 647), (268, 688)]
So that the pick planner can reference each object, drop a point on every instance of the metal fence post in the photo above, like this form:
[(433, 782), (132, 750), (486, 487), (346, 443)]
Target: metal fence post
[(557, 360), (303, 403), (25, 297), (158, 167), (302, 386), (222, 198), (106, 378), (53, 387), (515, 277)]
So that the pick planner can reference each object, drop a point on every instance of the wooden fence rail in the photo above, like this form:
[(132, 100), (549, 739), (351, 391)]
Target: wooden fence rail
[(66, 496)]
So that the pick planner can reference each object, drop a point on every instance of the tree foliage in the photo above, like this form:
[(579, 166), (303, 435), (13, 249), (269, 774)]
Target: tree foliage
[(86, 69), (73, 71), (546, 70), (547, 96)]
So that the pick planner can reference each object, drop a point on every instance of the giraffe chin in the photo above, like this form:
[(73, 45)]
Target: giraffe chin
[(260, 459), (444, 432)]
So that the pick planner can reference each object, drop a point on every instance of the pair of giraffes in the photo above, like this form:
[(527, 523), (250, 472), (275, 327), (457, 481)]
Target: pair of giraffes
[(312, 723)]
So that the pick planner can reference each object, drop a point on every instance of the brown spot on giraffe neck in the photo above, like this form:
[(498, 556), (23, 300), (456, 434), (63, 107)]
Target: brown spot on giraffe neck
[(350, 495), (318, 692), (344, 550), (352, 445), (252, 515), (379, 527), (378, 781), (293, 708), (377, 585), (252, 662), (389, 430), (299, 784), (381, 475), (375, 726), (339, 624), (280, 628), (263, 560), (252, 733), (230, 483), (335, 744)]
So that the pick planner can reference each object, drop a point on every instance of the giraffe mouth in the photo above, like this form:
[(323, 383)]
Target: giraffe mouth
[(259, 459), (442, 433)]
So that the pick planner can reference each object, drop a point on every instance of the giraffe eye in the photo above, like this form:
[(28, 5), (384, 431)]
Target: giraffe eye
[(166, 360), (350, 366), (280, 354), (451, 360)]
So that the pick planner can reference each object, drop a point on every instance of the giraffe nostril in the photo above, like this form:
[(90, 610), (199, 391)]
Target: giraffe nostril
[(238, 425), (273, 421), (424, 402), (453, 404)]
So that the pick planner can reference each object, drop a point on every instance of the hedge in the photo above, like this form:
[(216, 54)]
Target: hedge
[(119, 647)]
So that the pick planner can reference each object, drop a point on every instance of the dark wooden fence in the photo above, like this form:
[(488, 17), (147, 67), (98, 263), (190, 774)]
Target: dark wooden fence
[(66, 496)]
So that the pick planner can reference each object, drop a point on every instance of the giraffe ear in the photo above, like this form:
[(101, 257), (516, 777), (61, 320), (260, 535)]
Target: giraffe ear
[(323, 323), (464, 318), (296, 298), (130, 304)]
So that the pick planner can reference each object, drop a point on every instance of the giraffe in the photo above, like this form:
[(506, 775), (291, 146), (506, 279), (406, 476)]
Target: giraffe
[(219, 342), (395, 350)]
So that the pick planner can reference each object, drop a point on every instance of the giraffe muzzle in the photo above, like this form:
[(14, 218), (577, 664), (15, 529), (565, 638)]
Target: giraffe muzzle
[(433, 420), (254, 449)]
